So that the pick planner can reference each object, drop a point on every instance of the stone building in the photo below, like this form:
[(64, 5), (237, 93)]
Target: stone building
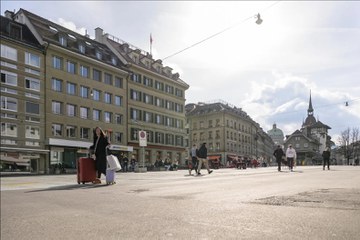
[(58, 85), (229, 132), (276, 135), (311, 140)]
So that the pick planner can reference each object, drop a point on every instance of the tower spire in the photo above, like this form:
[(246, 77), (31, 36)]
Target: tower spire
[(310, 109)]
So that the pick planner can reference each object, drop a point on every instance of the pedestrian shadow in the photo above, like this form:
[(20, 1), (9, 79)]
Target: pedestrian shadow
[(70, 187)]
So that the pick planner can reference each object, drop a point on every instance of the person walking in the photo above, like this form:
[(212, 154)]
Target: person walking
[(202, 157), (126, 163), (101, 142), (194, 160), (326, 158), (290, 156), (278, 154)]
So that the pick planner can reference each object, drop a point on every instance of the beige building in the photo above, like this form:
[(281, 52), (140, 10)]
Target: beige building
[(22, 98), (156, 100), (228, 131), (82, 83)]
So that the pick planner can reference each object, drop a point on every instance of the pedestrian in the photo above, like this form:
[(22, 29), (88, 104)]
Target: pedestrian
[(326, 158), (279, 154), (290, 156), (202, 157), (101, 143), (194, 160), (126, 163)]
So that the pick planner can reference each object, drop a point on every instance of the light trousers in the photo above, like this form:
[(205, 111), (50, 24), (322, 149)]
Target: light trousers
[(206, 163)]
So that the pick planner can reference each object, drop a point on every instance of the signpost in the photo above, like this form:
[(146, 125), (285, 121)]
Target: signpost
[(142, 144)]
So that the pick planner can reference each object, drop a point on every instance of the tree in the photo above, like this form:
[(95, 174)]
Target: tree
[(349, 143)]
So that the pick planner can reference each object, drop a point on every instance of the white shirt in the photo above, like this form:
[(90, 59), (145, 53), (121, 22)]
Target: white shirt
[(290, 153)]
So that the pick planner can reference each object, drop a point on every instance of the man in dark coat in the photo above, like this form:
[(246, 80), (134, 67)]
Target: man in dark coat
[(202, 157), (278, 154), (326, 158)]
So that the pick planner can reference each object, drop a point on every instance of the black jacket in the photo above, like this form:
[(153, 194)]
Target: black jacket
[(202, 153), (279, 153)]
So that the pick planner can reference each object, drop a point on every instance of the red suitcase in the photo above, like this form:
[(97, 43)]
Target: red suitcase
[(85, 170)]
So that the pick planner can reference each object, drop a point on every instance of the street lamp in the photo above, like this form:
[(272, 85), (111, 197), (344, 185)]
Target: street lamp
[(258, 19)]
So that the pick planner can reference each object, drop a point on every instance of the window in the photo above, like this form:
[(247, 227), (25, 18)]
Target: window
[(113, 61), (97, 75), (118, 82), (8, 78), (70, 131), (159, 137), (158, 119), (32, 119), (118, 137), (32, 84), (56, 85), (96, 115), (118, 118), (148, 81), (9, 90), (8, 52), (135, 114), (84, 71), (96, 95), (98, 55), (8, 115), (56, 107), (32, 95), (71, 88), (135, 95), (84, 112), (63, 41), (57, 62), (82, 48), (71, 110), (84, 133), (107, 97), (33, 108), (136, 77), (71, 67), (9, 103), (9, 65), (108, 78), (32, 59), (84, 92), (178, 92), (159, 86), (118, 100), (148, 99), (34, 144), (107, 117), (8, 129), (306, 145), (148, 117), (32, 132), (56, 129)]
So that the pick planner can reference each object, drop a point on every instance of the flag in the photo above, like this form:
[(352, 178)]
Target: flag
[(151, 40)]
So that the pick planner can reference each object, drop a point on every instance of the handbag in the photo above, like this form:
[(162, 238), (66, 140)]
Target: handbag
[(93, 156), (113, 162)]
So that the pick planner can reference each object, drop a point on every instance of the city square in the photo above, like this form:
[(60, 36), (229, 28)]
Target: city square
[(256, 203)]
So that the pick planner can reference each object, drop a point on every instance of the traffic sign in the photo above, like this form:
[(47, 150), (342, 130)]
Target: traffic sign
[(142, 138)]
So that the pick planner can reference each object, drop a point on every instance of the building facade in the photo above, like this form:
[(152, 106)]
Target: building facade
[(156, 100), (229, 132), (22, 97), (82, 83), (276, 135)]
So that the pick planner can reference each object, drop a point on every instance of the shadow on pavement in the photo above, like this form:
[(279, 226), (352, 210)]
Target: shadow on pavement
[(70, 187)]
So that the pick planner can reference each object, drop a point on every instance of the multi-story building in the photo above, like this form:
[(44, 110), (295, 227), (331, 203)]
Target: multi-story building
[(156, 100), (22, 97), (76, 83), (276, 135), (228, 131)]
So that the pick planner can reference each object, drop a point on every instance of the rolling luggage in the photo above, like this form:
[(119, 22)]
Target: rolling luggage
[(86, 171), (110, 176)]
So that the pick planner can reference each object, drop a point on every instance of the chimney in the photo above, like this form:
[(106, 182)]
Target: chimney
[(98, 34)]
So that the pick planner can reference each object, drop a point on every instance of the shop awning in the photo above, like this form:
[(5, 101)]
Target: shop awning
[(213, 157)]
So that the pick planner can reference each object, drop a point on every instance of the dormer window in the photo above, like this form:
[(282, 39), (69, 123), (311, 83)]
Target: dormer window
[(63, 41), (82, 48), (72, 36), (114, 61), (98, 55), (158, 69)]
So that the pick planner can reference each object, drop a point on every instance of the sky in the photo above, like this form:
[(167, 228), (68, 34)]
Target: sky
[(268, 70)]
